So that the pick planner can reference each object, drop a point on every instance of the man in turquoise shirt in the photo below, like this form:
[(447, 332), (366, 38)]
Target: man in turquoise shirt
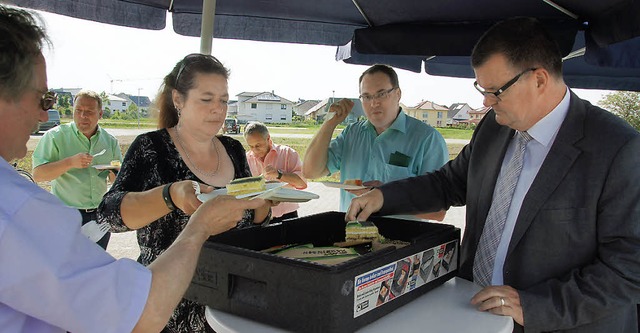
[(387, 146), (65, 156)]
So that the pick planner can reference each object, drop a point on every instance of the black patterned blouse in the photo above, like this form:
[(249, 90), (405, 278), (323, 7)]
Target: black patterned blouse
[(151, 161)]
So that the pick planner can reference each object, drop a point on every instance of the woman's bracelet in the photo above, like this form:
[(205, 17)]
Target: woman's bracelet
[(166, 195)]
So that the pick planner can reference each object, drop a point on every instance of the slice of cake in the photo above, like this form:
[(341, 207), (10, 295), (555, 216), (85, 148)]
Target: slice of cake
[(356, 182), (361, 230), (246, 185), (115, 163)]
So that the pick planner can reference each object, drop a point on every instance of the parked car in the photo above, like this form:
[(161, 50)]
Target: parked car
[(231, 126), (54, 120)]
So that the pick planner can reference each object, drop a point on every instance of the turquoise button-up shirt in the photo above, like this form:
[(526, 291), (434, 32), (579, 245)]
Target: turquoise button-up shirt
[(407, 148)]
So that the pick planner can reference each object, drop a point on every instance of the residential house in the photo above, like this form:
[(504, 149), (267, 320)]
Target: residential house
[(319, 111), (429, 113), (143, 103), (232, 109), (116, 103), (302, 106), (458, 112), (72, 92), (476, 115), (265, 107)]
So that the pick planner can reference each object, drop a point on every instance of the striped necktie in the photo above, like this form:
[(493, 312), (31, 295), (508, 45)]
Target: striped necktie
[(505, 186)]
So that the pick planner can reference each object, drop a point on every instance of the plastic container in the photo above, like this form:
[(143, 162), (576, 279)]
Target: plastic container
[(303, 296)]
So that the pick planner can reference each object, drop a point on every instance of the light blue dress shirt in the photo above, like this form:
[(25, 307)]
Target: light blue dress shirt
[(53, 278), (360, 153), (544, 134)]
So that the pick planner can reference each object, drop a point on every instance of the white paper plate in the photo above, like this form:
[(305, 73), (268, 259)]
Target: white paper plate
[(105, 167), (343, 186), (274, 192)]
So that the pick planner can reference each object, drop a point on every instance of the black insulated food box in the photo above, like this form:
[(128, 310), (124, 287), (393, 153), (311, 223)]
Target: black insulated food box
[(235, 277)]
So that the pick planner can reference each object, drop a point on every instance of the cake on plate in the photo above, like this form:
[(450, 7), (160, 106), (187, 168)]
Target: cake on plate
[(246, 185)]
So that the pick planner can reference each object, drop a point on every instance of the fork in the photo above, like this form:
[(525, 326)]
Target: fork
[(100, 153), (104, 227)]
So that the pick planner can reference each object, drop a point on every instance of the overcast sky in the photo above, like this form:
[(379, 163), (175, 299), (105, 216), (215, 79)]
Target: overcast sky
[(115, 59)]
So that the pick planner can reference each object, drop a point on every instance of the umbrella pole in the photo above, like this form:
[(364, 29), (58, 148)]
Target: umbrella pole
[(206, 30)]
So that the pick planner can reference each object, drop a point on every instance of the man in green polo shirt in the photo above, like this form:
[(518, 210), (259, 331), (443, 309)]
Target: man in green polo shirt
[(71, 157)]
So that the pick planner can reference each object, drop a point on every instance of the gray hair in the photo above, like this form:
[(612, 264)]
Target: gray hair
[(256, 127), (23, 36)]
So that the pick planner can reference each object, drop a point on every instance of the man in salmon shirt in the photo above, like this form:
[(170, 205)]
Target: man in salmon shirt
[(276, 163)]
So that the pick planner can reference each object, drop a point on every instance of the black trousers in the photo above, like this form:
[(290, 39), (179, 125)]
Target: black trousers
[(92, 215), (290, 215)]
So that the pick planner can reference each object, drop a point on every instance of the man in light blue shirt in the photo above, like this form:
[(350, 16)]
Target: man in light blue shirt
[(50, 274), (387, 146)]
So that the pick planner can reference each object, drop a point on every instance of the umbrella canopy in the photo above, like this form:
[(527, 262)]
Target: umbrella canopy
[(407, 30)]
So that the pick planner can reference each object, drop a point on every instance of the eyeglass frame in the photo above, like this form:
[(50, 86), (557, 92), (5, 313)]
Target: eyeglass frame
[(48, 100), (194, 56), (377, 96), (502, 89)]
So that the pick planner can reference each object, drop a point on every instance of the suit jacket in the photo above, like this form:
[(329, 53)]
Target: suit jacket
[(574, 255)]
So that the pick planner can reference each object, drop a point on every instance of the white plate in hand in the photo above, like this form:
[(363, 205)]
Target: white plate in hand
[(223, 191), (106, 167), (343, 186), (274, 192), (291, 195)]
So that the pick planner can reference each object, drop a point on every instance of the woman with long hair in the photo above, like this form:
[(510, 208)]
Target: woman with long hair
[(156, 188)]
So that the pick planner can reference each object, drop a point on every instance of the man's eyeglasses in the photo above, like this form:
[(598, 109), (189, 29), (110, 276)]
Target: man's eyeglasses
[(503, 88), (378, 96), (47, 100), (193, 58)]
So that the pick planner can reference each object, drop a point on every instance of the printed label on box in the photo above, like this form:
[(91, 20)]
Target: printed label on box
[(383, 284)]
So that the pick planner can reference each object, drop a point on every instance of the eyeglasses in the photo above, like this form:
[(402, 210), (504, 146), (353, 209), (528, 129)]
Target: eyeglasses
[(193, 58), (503, 88), (378, 96), (47, 100)]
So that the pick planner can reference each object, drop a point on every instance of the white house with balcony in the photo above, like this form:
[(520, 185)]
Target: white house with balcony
[(265, 107)]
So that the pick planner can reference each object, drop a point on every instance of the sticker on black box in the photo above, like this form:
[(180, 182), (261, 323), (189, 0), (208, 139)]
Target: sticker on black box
[(383, 284)]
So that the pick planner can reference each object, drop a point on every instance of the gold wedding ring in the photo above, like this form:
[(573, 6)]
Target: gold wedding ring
[(501, 301)]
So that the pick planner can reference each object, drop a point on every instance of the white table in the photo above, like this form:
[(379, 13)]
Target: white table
[(443, 309)]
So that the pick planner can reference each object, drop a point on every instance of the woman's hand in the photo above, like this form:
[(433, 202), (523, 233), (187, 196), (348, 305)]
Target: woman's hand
[(185, 195), (223, 213)]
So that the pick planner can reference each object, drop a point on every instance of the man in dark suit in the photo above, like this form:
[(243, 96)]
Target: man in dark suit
[(566, 253)]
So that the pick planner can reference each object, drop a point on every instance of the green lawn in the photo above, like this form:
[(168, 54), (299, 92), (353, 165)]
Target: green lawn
[(299, 144)]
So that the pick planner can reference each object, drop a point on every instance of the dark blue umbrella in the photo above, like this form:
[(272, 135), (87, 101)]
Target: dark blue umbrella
[(404, 29)]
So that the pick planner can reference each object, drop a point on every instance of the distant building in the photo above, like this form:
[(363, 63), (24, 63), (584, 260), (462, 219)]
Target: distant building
[(71, 92), (476, 115), (232, 109), (116, 103), (429, 113), (143, 103), (320, 111), (458, 112), (265, 107), (302, 106)]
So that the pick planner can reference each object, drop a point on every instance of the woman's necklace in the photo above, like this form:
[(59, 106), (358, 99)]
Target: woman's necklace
[(208, 174)]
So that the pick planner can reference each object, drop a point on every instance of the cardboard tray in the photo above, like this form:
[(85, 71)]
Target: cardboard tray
[(303, 296)]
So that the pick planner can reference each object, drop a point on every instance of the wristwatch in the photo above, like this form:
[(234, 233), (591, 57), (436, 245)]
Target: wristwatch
[(279, 174)]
